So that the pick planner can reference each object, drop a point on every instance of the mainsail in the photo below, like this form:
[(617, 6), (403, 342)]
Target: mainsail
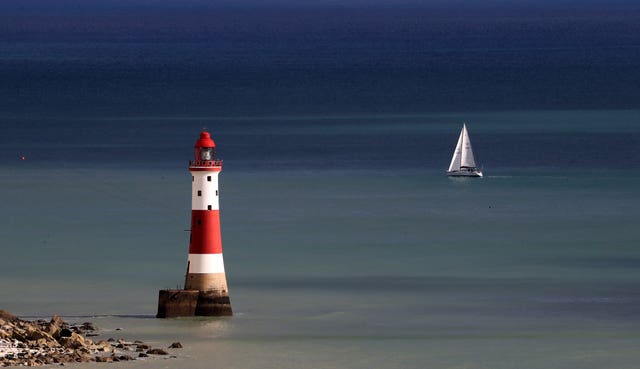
[(467, 159)]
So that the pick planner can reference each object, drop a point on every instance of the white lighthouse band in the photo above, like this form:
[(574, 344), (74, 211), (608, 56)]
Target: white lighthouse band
[(206, 263), (204, 190)]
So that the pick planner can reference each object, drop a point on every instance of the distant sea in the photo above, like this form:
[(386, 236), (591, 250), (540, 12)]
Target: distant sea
[(345, 244)]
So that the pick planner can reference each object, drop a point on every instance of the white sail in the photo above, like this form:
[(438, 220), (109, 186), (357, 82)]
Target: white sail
[(467, 159), (457, 155), (463, 164)]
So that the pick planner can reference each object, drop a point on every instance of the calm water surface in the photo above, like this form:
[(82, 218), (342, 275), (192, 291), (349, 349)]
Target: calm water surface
[(360, 255)]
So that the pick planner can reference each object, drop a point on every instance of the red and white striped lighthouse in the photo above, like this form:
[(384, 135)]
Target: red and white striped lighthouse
[(205, 266), (205, 288)]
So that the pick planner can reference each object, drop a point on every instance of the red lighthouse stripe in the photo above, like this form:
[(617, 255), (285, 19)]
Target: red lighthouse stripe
[(205, 232)]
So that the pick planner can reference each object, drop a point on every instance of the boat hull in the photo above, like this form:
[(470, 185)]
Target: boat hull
[(465, 173)]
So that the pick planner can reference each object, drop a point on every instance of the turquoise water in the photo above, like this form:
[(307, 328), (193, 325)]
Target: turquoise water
[(380, 261)]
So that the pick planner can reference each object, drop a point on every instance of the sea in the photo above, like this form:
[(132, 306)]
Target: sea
[(345, 245)]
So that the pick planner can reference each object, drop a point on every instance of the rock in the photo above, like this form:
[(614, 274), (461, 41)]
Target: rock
[(103, 346), (36, 343), (144, 346), (42, 342), (56, 321), (103, 359), (19, 334), (88, 326), (176, 345), (75, 341), (157, 351), (35, 334), (7, 317), (53, 329)]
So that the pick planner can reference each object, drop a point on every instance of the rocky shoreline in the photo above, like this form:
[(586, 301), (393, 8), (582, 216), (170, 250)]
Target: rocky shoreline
[(41, 342)]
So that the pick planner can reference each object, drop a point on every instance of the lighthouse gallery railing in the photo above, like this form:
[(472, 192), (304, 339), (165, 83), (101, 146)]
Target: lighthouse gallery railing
[(205, 163)]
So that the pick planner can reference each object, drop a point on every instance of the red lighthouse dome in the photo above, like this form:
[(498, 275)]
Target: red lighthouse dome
[(205, 148), (205, 140)]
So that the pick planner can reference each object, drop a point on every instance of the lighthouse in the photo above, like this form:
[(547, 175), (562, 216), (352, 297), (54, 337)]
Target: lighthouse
[(205, 290)]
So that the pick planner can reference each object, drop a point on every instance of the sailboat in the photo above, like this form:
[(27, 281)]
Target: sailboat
[(463, 164)]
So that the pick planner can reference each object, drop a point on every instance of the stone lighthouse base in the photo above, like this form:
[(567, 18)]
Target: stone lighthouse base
[(183, 303)]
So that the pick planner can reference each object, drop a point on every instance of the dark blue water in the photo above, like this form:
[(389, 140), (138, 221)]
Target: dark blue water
[(199, 59), (588, 140), (101, 78)]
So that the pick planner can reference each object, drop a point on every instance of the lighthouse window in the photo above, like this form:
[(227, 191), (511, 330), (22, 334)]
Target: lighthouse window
[(209, 178), (209, 207), (192, 179), (199, 221), (206, 153), (216, 192), (199, 193)]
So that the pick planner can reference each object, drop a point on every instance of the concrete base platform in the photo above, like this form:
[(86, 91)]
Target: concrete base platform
[(210, 303), (183, 303), (175, 303)]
